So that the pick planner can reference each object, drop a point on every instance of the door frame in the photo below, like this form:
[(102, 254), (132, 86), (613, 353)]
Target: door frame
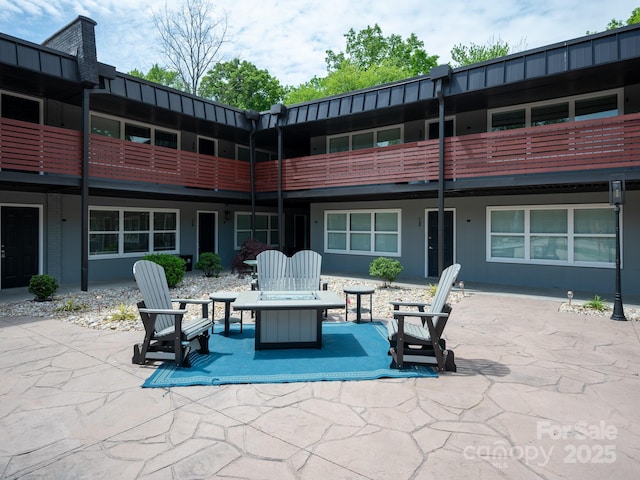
[(426, 237), (39, 207), (215, 236)]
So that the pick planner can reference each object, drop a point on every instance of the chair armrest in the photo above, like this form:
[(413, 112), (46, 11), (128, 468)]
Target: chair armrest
[(164, 311), (399, 303), (413, 313), (200, 301)]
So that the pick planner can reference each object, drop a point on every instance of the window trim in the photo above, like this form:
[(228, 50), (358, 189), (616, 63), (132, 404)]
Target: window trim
[(571, 235), (372, 251), (360, 132), (121, 232), (268, 230), (619, 92)]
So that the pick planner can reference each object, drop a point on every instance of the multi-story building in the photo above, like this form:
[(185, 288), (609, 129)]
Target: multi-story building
[(98, 168)]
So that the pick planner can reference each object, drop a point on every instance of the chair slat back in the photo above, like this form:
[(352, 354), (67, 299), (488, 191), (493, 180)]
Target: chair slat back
[(271, 270), (152, 283), (447, 279), (304, 270)]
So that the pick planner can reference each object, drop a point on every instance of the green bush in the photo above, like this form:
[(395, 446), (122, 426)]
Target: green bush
[(43, 287), (174, 267), (385, 269), (209, 263), (596, 303)]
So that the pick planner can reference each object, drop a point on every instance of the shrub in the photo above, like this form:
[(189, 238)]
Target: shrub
[(72, 306), (43, 287), (596, 303), (174, 267), (248, 251), (385, 269), (124, 313), (209, 263)]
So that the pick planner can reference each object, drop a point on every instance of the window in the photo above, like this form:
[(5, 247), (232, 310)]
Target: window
[(243, 153), (18, 107), (576, 235), (266, 228), (381, 137), (585, 107), (108, 127), (207, 146), (116, 128), (433, 128), (115, 232), (362, 232)]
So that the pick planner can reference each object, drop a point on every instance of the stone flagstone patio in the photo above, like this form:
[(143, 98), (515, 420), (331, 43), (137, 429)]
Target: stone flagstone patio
[(539, 394)]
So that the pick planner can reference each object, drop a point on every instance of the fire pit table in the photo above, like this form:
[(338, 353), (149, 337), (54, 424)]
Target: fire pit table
[(291, 319)]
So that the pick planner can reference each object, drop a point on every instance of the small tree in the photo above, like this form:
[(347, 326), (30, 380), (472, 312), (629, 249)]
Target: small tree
[(248, 251), (209, 263), (174, 267), (43, 287), (385, 269)]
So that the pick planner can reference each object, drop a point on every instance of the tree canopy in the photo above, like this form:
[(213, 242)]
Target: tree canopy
[(369, 59), (241, 84), (462, 55), (160, 75)]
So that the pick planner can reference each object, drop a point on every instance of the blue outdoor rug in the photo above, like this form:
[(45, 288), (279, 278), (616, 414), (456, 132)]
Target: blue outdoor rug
[(349, 352)]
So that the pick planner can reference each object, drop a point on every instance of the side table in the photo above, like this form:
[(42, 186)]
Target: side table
[(358, 291), (227, 298)]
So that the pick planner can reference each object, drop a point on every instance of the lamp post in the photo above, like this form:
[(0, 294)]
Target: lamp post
[(616, 197)]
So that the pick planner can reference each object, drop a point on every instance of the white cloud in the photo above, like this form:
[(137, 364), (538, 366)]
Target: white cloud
[(290, 37)]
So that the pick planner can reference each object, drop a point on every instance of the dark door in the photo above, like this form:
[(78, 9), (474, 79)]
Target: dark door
[(19, 246), (206, 232), (432, 241), (300, 232)]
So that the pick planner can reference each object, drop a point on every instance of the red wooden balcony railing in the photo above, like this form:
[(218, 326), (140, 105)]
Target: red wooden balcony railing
[(588, 145), (29, 147), (123, 160)]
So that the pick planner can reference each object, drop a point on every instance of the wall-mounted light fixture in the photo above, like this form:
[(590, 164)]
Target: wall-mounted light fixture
[(227, 215)]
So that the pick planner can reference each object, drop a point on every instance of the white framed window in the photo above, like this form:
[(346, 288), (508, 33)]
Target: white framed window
[(115, 127), (579, 235), (127, 232), (207, 146), (582, 107), (21, 107), (432, 128), (266, 228), (378, 137), (363, 232)]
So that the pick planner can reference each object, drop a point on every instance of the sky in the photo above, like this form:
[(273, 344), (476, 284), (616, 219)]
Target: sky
[(289, 38)]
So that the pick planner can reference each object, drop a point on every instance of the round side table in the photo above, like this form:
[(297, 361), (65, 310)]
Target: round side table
[(358, 291)]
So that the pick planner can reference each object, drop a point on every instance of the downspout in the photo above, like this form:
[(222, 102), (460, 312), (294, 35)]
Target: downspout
[(253, 116), (280, 200), (439, 74), (279, 110), (84, 220), (440, 178)]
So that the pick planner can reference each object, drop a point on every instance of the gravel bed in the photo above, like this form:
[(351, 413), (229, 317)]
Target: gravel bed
[(115, 308)]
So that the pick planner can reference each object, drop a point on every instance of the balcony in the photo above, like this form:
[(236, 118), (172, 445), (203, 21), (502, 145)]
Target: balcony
[(577, 146), (587, 145)]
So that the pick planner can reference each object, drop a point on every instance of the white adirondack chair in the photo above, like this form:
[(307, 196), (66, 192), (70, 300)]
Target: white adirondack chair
[(304, 269), (272, 267), (412, 343), (167, 336)]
